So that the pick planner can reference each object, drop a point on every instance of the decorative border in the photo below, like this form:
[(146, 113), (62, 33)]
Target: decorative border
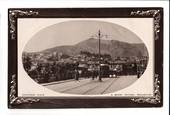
[(153, 13), (157, 16), (157, 95), (13, 14), (18, 100)]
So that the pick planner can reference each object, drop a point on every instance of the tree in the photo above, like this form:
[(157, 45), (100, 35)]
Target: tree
[(65, 56), (27, 63)]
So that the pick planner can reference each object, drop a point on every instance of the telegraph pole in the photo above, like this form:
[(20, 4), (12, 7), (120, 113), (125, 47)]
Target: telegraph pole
[(99, 36)]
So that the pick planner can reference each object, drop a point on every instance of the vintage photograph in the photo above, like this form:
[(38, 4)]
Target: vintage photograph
[(85, 57)]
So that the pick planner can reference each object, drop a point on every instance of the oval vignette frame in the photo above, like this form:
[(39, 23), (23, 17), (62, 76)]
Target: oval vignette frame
[(131, 40)]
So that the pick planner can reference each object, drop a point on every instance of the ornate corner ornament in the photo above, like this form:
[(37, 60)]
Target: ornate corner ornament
[(156, 96), (13, 14), (18, 100), (156, 16), (153, 13)]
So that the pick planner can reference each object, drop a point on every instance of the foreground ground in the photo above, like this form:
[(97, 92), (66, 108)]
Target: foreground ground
[(90, 87)]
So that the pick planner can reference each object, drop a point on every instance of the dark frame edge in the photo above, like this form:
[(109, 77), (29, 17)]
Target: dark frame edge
[(12, 47)]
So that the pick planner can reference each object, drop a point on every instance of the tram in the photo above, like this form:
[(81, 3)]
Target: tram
[(104, 70)]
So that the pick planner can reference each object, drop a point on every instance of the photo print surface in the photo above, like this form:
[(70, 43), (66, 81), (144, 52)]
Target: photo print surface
[(85, 57)]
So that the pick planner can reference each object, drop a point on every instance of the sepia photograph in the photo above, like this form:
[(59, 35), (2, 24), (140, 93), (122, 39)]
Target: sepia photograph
[(63, 55), (85, 57)]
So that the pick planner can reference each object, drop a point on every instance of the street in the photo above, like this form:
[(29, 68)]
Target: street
[(91, 87)]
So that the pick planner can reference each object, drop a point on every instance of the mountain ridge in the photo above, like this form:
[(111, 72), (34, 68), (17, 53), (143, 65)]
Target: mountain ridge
[(114, 48)]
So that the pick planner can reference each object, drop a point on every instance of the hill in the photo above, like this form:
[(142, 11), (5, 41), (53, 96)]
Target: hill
[(112, 47)]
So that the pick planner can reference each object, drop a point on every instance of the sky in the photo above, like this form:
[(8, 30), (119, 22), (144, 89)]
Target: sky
[(73, 32)]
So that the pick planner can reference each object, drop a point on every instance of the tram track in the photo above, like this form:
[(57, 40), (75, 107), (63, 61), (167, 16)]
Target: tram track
[(93, 88), (84, 85), (108, 86), (75, 87), (99, 88)]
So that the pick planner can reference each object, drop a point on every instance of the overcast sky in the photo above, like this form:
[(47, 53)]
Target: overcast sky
[(72, 32)]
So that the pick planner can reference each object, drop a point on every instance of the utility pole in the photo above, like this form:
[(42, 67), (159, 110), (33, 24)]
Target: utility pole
[(99, 36)]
